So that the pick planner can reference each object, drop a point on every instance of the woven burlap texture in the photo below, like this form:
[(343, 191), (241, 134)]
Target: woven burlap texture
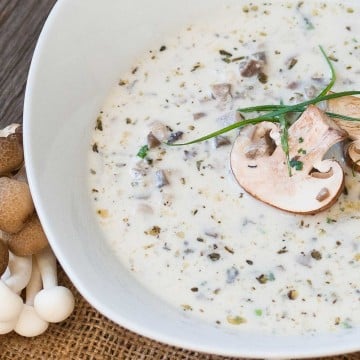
[(89, 335)]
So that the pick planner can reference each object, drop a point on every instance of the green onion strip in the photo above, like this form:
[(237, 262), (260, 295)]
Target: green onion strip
[(277, 113)]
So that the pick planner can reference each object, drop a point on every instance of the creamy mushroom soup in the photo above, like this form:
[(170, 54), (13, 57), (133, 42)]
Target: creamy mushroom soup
[(175, 215)]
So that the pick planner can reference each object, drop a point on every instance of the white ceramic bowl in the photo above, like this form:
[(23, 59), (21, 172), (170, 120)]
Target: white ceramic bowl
[(84, 47)]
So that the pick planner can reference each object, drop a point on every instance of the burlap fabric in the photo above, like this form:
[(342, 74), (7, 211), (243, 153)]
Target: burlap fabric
[(89, 335)]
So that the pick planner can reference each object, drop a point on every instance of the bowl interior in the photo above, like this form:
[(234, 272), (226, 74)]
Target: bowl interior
[(84, 47)]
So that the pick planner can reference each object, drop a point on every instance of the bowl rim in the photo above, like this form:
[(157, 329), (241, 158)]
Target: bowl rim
[(330, 349)]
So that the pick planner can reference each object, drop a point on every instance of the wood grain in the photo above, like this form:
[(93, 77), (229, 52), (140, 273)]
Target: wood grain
[(20, 24)]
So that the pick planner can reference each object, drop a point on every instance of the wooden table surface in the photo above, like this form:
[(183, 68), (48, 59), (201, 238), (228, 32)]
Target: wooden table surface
[(20, 24)]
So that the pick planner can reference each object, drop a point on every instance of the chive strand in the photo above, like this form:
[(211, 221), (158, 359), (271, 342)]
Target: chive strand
[(333, 74)]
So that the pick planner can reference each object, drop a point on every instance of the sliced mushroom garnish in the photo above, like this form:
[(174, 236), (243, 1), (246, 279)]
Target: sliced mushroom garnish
[(352, 151), (260, 166), (348, 106)]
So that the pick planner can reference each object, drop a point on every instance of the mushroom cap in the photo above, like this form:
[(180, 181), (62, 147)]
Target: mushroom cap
[(348, 106), (352, 155), (16, 204), (4, 257), (30, 240), (54, 304), (10, 305), (7, 326), (11, 149), (259, 163), (29, 323)]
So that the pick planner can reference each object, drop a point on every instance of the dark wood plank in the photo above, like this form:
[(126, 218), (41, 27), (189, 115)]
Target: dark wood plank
[(20, 25)]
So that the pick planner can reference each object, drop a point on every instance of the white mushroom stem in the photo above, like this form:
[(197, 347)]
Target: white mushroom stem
[(11, 303), (29, 322), (54, 303), (20, 272)]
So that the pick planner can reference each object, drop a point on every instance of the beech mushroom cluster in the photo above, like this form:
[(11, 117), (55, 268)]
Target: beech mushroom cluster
[(27, 263)]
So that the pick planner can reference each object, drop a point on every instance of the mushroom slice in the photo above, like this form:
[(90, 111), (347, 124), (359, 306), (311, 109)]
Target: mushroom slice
[(262, 170), (352, 156), (11, 149), (348, 106)]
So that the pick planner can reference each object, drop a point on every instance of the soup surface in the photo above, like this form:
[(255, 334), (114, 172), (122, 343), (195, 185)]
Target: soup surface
[(175, 215)]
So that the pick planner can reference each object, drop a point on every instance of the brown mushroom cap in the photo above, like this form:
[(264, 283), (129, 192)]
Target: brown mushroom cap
[(16, 205), (11, 149), (4, 257), (260, 166), (30, 240), (348, 106)]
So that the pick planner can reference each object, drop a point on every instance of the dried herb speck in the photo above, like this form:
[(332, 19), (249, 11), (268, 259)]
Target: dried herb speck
[(214, 256), (99, 125)]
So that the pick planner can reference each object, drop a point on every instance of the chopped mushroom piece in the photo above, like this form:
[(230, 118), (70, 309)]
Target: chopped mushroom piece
[(221, 91), (161, 179), (160, 130), (253, 65), (152, 140), (199, 115), (11, 149), (263, 172)]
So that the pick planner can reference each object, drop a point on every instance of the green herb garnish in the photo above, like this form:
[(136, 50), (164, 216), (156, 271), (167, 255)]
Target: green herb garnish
[(143, 151), (284, 125), (275, 113), (296, 164)]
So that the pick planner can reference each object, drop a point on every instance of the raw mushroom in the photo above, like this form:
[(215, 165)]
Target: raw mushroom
[(11, 149), (54, 303), (29, 322), (4, 257), (30, 240), (349, 106), (16, 204), (6, 327), (260, 167), (221, 92), (11, 303), (352, 155)]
